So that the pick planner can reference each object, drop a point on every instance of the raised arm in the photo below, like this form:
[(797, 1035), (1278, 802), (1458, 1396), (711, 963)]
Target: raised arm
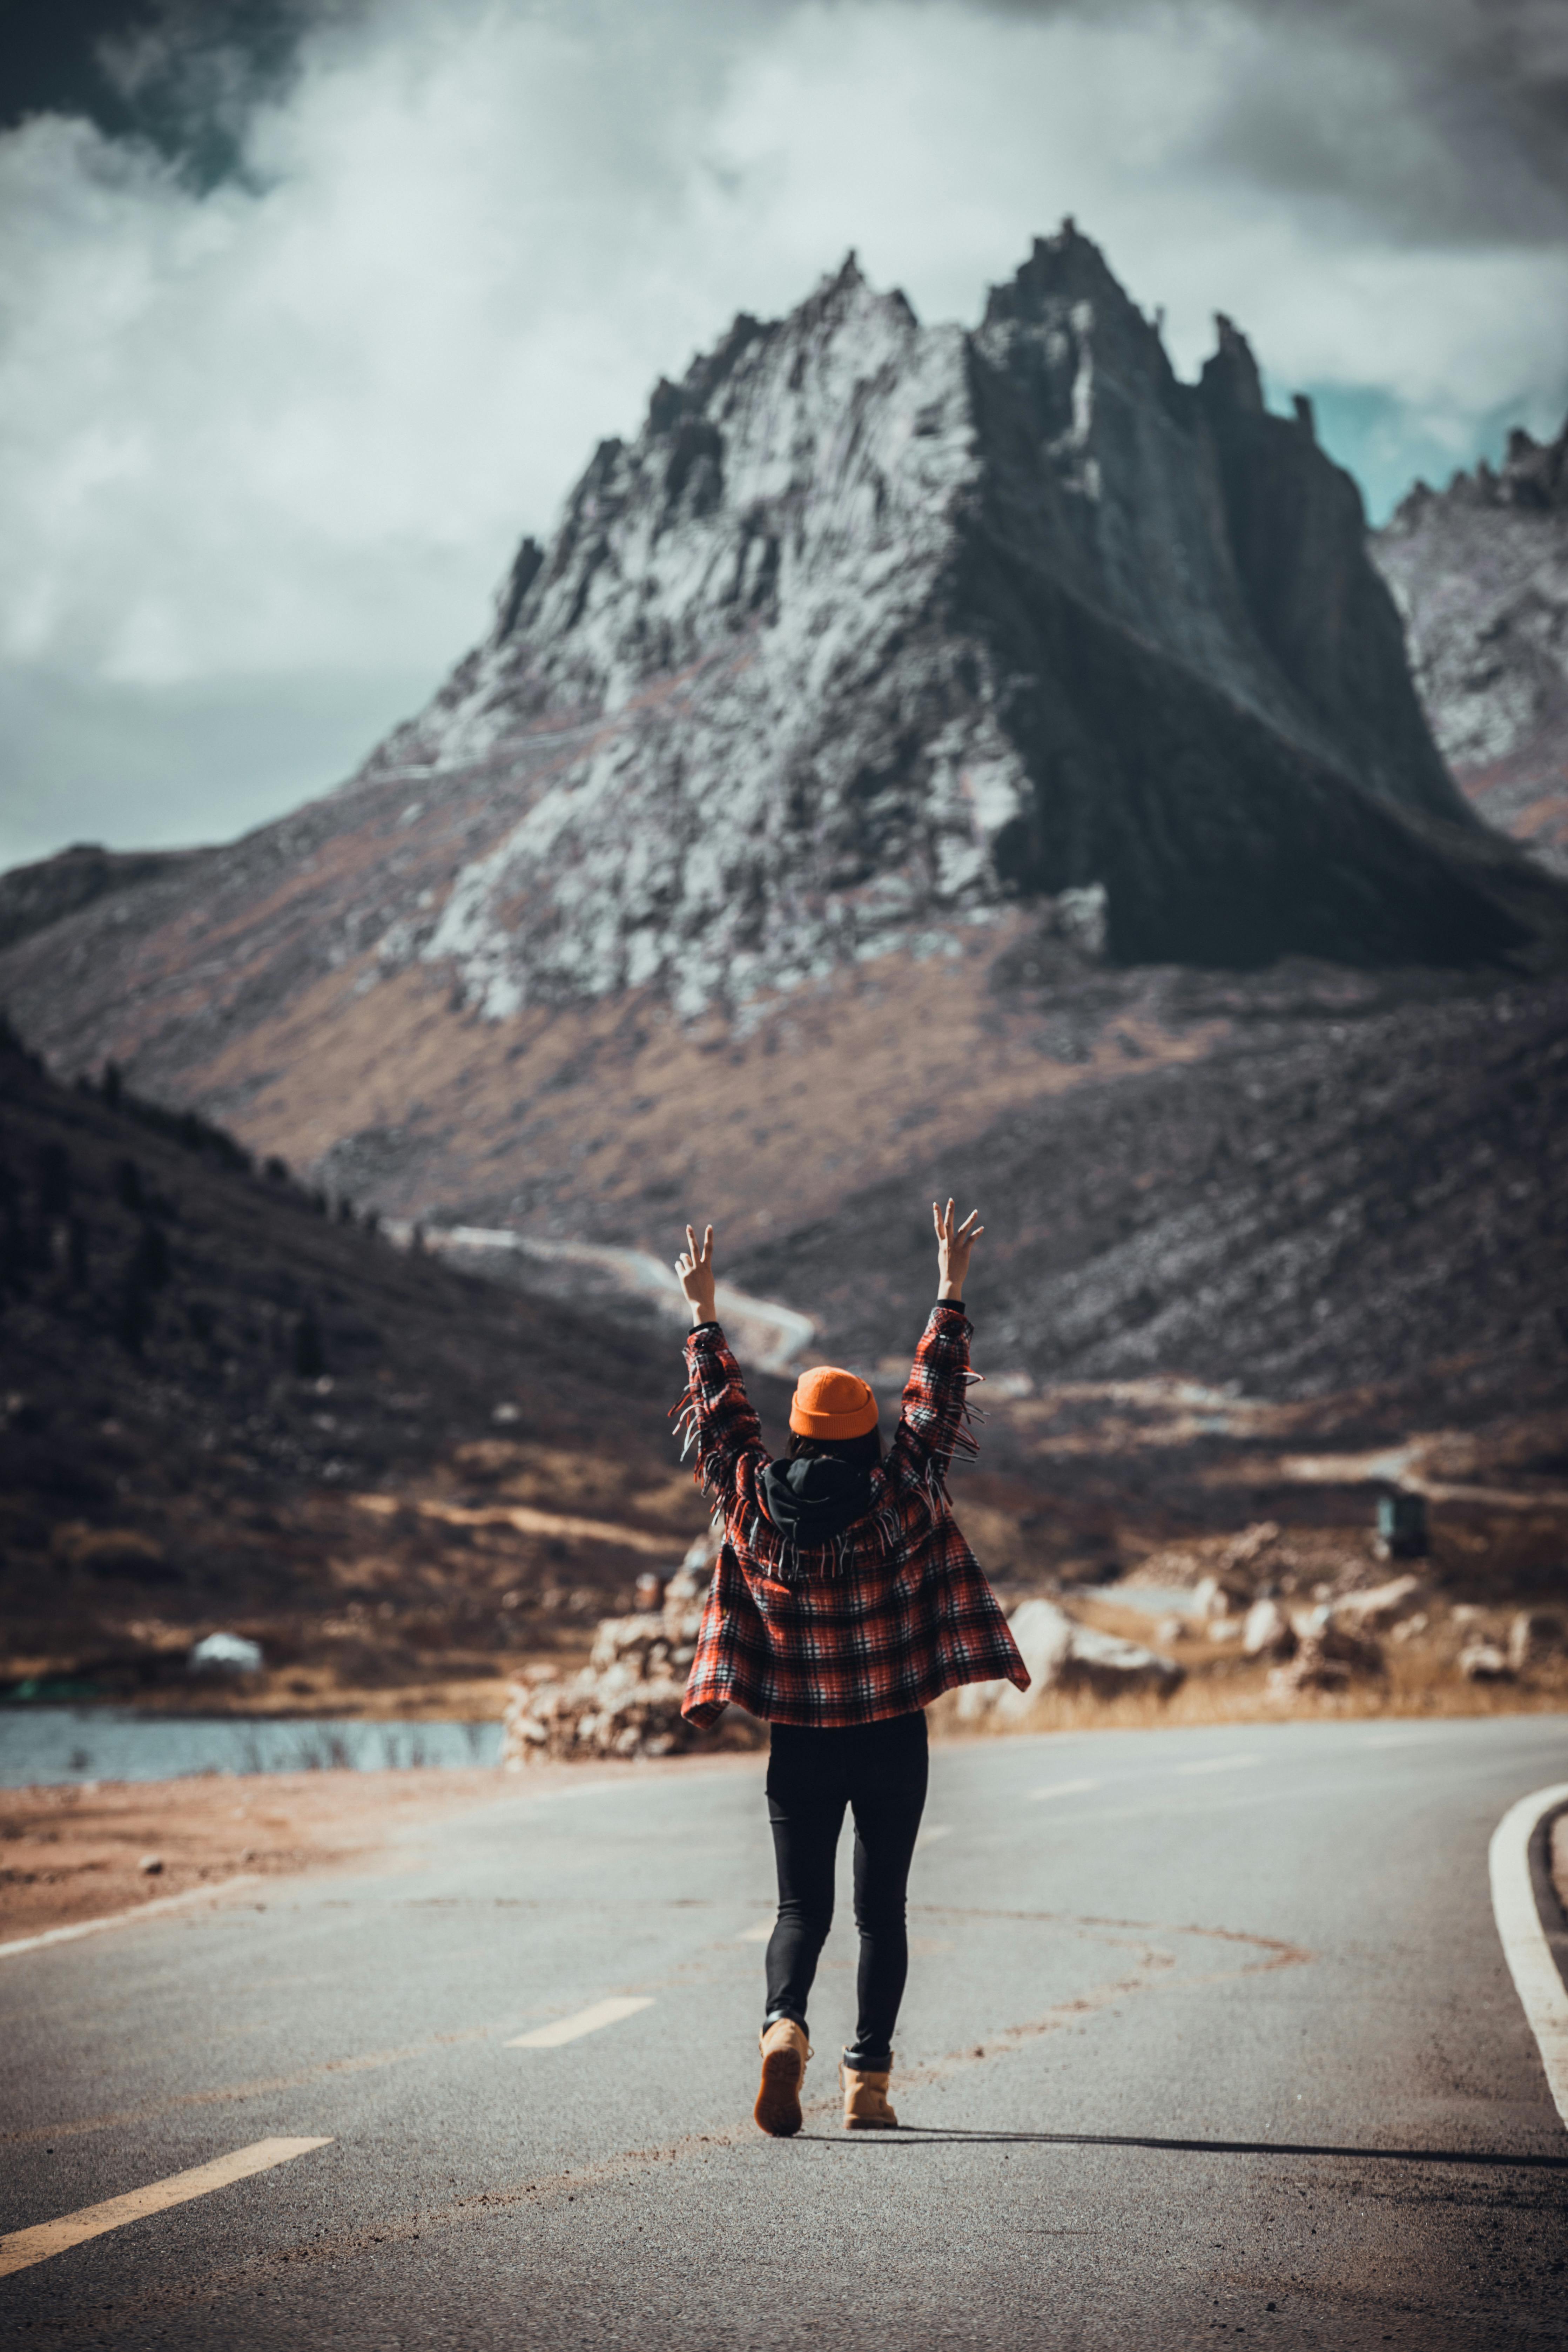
[(932, 1423), (716, 1415)]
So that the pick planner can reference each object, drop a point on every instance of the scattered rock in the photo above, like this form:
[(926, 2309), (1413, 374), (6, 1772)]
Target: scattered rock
[(1378, 1610), (1225, 1595), (626, 1702), (1109, 1667), (226, 1653), (1328, 1656), (1250, 1544), (1536, 1636), (1484, 1661), (1062, 1655), (1267, 1631), (151, 1866), (1044, 1635)]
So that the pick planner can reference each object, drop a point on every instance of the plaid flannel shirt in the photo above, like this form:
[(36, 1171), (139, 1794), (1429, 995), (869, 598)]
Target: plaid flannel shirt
[(875, 1625)]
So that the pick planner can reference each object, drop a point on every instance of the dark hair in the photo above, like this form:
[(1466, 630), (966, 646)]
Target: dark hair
[(865, 1450)]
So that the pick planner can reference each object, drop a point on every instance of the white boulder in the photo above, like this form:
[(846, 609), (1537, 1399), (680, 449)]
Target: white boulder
[(1267, 1631), (1536, 1636), (1380, 1608), (1062, 1655)]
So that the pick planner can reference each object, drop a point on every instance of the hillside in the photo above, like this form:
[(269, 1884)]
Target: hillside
[(226, 1408)]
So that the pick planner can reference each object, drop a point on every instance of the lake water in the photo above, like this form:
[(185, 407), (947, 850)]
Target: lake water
[(54, 1744)]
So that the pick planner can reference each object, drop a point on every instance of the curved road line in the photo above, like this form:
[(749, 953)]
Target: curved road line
[(125, 1918), (1528, 1946)]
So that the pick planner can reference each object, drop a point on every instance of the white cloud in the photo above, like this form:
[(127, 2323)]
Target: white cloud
[(275, 438)]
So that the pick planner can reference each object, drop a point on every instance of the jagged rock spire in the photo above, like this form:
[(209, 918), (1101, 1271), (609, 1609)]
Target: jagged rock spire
[(876, 626)]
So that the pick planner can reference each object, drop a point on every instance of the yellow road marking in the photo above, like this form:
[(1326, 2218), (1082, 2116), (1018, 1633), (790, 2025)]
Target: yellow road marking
[(1064, 1788), (586, 2020), (23, 2247)]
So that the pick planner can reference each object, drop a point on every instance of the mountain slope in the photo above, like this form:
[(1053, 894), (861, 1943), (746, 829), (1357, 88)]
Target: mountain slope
[(1479, 572), (884, 653), (223, 1405)]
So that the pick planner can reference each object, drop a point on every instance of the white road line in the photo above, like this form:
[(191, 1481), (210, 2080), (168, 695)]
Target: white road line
[(929, 1837), (1219, 1764), (124, 1919), (1062, 1789), (23, 2247), (760, 1934), (1532, 1963), (586, 2020)]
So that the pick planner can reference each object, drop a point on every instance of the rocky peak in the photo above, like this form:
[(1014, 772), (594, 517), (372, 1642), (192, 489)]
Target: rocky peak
[(1230, 379), (1480, 573), (875, 625), (1531, 479), (1535, 473)]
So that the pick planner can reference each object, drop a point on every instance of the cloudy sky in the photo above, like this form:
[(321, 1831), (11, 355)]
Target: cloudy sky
[(312, 307)]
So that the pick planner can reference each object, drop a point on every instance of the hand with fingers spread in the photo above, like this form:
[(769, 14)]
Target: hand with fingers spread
[(953, 1243), (695, 1268)]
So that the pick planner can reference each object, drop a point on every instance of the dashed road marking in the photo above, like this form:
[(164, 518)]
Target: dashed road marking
[(760, 1934), (930, 1836), (22, 2248), (586, 2020), (1219, 1764), (1063, 1789)]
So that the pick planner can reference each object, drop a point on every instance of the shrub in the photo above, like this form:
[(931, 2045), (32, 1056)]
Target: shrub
[(133, 1317), (54, 1179), (310, 1358), (150, 1267)]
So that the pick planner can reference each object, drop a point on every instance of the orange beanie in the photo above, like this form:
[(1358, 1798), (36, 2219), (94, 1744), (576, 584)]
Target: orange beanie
[(831, 1403)]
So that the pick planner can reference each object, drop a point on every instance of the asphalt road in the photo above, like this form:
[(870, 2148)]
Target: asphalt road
[(1209, 2034)]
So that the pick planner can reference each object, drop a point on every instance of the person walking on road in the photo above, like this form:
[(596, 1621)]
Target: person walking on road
[(844, 1599)]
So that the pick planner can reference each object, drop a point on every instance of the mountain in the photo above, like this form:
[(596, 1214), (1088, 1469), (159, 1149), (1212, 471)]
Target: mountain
[(882, 734), (1480, 573), (878, 625)]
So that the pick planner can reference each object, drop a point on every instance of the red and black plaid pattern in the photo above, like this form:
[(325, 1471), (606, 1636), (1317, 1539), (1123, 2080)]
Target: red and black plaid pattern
[(878, 1624)]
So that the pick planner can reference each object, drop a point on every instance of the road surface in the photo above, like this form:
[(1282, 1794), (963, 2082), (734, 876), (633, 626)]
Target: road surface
[(1209, 2035)]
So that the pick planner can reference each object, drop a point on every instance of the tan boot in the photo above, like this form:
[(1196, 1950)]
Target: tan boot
[(785, 2052), (865, 2106)]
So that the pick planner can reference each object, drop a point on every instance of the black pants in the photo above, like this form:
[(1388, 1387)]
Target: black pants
[(880, 1771)]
